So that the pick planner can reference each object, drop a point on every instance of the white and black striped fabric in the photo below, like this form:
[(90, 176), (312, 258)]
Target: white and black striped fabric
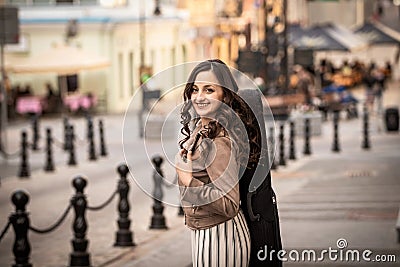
[(225, 245)]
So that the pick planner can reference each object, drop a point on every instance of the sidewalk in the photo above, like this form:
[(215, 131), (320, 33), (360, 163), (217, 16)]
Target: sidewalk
[(50, 194), (321, 198)]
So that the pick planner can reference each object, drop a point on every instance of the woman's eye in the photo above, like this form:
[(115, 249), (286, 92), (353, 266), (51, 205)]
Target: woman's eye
[(210, 90), (195, 90)]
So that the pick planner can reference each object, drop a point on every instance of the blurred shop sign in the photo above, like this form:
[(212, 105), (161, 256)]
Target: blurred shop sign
[(9, 25), (202, 12), (250, 61), (230, 8), (22, 47)]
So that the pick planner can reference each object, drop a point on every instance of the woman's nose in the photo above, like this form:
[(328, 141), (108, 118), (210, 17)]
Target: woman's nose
[(200, 94)]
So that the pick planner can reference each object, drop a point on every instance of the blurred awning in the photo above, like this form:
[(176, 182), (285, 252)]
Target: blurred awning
[(324, 37), (62, 60), (344, 36), (373, 34), (312, 39)]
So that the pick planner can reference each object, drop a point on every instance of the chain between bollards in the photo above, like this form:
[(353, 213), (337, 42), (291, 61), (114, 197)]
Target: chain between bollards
[(80, 256), (101, 206), (3, 233), (55, 225), (59, 144), (8, 155)]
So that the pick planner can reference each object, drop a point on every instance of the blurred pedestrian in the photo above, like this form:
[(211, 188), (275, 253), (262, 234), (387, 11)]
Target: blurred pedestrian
[(369, 81), (305, 83), (378, 88), (50, 90), (212, 151), (52, 100)]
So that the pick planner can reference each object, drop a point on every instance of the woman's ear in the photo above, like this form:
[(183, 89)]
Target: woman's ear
[(225, 99)]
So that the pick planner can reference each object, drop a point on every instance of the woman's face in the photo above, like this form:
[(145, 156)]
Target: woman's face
[(207, 95)]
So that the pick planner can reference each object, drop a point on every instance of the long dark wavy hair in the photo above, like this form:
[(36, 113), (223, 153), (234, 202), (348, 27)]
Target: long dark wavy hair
[(225, 120)]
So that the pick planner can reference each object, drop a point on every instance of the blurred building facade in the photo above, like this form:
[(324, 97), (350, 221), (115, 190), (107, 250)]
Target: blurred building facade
[(127, 33), (130, 34)]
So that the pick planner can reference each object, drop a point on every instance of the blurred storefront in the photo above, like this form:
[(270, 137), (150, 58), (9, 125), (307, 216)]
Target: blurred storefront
[(129, 34), (108, 29)]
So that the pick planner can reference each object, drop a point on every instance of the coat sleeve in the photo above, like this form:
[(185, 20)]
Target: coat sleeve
[(221, 195)]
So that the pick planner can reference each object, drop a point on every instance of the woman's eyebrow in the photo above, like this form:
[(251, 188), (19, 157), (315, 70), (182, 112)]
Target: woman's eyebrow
[(206, 85)]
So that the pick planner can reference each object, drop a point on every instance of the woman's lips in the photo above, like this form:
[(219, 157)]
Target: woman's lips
[(202, 105)]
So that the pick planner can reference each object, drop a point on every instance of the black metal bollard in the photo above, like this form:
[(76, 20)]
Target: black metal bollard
[(365, 143), (158, 219), (92, 149), (79, 256), (49, 152), (282, 160), (20, 222), (71, 145), (35, 131), (272, 144), (66, 136), (103, 150), (292, 136), (124, 236), (307, 149), (24, 170), (335, 145)]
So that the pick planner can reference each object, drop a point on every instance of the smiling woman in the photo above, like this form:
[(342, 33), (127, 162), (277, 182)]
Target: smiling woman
[(214, 149)]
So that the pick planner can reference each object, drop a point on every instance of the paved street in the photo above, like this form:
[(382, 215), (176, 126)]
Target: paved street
[(352, 195)]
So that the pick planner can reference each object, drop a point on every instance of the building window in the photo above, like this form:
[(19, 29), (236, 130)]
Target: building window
[(64, 1), (68, 83), (131, 73), (121, 74), (112, 3)]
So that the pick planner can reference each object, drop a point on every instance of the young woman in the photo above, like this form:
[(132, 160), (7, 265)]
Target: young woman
[(214, 150)]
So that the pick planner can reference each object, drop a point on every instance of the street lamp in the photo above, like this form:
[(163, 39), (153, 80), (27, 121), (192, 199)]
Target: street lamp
[(276, 70), (9, 34)]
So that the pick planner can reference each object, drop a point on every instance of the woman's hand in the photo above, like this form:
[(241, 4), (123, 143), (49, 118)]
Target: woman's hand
[(184, 169)]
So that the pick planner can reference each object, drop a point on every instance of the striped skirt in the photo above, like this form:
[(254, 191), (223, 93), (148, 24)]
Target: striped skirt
[(224, 245)]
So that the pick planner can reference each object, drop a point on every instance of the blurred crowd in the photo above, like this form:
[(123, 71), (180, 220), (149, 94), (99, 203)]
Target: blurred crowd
[(328, 88), (51, 101)]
